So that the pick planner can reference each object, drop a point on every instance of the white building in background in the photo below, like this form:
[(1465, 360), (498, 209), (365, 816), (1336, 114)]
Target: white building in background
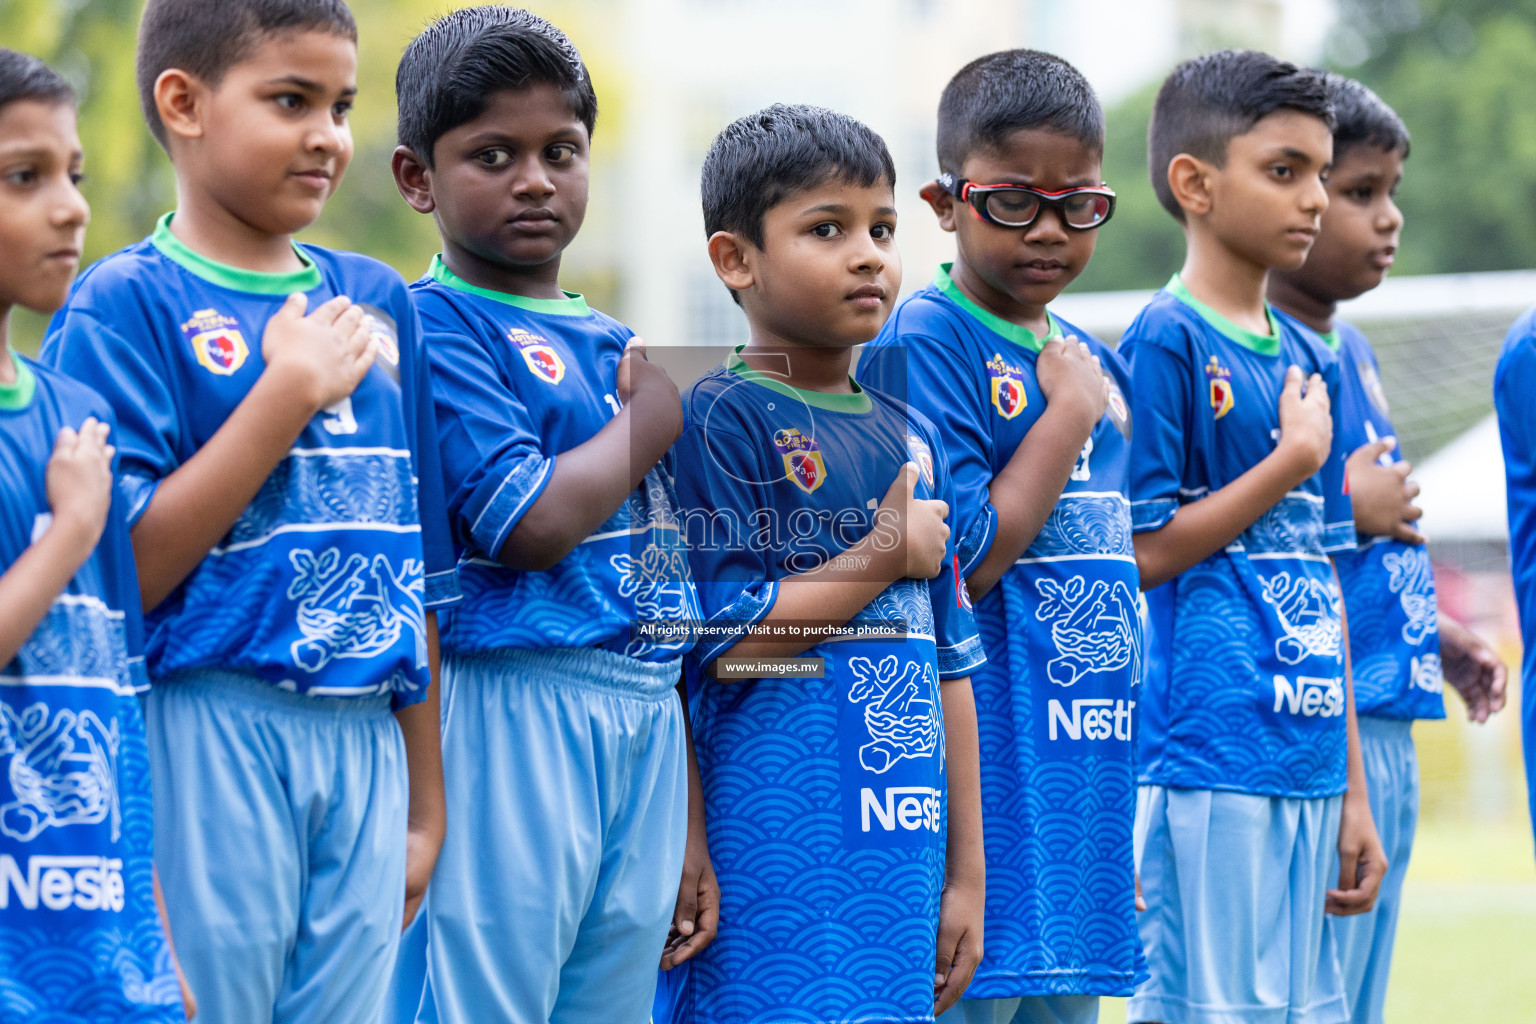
[(671, 73)]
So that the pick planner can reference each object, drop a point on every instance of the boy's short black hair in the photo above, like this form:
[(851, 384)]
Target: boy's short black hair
[(1208, 101), (206, 38), (24, 77), (453, 67), (1363, 118), (760, 160), (1013, 90)]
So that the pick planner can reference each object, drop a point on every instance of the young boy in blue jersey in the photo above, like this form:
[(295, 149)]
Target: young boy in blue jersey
[(283, 491), (1514, 381), (1250, 765), (83, 942), (566, 763), (841, 788), (1401, 651), (1033, 416)]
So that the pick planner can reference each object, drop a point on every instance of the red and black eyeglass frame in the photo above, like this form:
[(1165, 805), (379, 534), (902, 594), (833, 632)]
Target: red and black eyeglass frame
[(977, 197)]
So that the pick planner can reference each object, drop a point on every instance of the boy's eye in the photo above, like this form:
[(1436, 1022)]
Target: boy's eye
[(342, 109), (494, 158), (826, 229), (1360, 195), (23, 176), (1281, 171), (77, 178), (289, 100), (560, 154), (882, 232)]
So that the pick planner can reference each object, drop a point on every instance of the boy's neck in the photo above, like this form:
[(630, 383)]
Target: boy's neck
[(7, 364), (1028, 315), (809, 368), (1227, 282), (211, 230), (1316, 313), (533, 282)]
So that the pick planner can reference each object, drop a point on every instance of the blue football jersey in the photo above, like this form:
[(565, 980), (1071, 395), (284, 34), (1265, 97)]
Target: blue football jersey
[(321, 585), (517, 381), (1063, 638), (1249, 696), (1388, 586), (1514, 384), (825, 797), (80, 939)]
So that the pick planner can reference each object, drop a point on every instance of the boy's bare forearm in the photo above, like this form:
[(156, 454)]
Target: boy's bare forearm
[(421, 728), (590, 483), (197, 504), (1202, 528), (826, 597), (29, 586), (965, 857), (1026, 490)]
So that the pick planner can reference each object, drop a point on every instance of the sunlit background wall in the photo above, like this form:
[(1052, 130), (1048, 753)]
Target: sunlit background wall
[(670, 73)]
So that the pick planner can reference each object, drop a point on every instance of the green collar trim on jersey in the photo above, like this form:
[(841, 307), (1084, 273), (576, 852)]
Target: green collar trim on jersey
[(1007, 328), (1264, 345), (859, 401), (17, 396), (572, 305), (1332, 339), (237, 279)]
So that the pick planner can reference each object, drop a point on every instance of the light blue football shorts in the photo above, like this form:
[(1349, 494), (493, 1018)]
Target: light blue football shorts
[(567, 791), (1235, 885), (1364, 941), (1024, 1010), (280, 824)]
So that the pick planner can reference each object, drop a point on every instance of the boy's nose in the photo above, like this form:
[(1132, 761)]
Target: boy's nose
[(71, 210), (532, 180), (1048, 227)]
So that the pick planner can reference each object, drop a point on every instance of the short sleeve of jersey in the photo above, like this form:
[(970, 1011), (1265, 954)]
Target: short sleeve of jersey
[(442, 587), (121, 577), (494, 466), (83, 343), (959, 646), (919, 369), (734, 576), (1338, 511), (1160, 392)]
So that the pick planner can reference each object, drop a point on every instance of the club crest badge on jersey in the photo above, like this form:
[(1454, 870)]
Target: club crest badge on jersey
[(385, 334), (216, 341), (1008, 395), (803, 464), (541, 357), (1219, 379), (921, 454), (1118, 409), (1370, 380)]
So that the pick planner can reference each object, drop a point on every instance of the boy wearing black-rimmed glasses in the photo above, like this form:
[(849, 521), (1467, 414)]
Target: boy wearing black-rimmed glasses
[(1034, 415)]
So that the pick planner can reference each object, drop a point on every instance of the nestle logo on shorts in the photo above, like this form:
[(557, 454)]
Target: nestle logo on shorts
[(906, 807), (1310, 696), (1099, 718), (59, 883)]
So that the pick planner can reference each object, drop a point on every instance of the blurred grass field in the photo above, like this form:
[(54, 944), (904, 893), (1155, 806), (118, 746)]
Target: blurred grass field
[(1466, 941)]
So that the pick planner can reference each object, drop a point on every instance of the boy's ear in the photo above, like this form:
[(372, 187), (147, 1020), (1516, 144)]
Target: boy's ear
[(943, 204), (1189, 181), (733, 258), (413, 178), (179, 100)]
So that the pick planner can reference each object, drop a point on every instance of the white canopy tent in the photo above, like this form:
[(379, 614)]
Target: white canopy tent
[(1463, 485)]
